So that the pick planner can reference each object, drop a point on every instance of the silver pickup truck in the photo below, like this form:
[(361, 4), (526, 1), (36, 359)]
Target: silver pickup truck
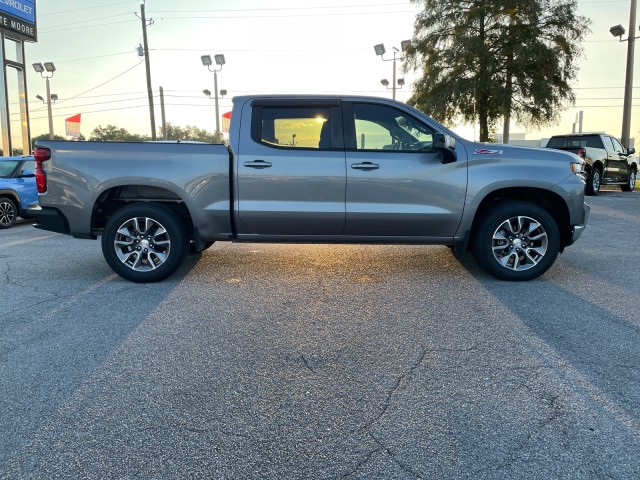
[(314, 169)]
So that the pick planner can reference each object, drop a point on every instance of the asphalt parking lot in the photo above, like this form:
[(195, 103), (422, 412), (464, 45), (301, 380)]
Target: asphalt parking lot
[(322, 362)]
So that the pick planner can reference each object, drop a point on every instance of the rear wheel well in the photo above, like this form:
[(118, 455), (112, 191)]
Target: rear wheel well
[(15, 198), (112, 200), (597, 165), (551, 202), (11, 196)]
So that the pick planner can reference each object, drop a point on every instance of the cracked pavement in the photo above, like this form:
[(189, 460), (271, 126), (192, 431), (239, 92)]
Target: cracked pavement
[(322, 362)]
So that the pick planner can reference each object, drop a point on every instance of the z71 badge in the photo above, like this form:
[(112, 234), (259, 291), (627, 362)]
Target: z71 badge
[(484, 151)]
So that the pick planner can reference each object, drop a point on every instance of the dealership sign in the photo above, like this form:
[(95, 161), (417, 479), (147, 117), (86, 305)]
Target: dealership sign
[(19, 17)]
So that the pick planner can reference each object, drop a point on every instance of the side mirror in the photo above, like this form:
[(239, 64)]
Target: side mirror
[(631, 151), (26, 174), (442, 140), (447, 144)]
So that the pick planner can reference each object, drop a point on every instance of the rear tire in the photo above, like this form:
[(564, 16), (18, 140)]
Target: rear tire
[(144, 243), (8, 213), (516, 241), (593, 182)]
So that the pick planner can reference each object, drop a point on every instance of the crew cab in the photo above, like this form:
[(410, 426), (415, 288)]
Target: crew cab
[(314, 169), (607, 161)]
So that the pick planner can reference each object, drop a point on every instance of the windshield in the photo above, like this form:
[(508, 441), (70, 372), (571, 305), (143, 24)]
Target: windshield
[(7, 168)]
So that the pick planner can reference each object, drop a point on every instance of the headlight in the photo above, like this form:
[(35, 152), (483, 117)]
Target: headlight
[(577, 168)]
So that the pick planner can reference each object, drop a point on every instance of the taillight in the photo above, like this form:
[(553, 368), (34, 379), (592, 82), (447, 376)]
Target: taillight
[(581, 152), (41, 154)]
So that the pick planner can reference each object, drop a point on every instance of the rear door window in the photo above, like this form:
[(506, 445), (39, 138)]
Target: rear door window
[(295, 127)]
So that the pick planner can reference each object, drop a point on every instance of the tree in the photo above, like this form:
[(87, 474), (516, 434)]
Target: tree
[(484, 60), (111, 133), (191, 133)]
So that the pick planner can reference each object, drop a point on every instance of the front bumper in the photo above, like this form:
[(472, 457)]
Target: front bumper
[(576, 230)]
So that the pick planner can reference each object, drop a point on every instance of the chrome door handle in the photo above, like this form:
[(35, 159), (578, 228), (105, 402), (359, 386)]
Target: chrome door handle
[(257, 164), (365, 166)]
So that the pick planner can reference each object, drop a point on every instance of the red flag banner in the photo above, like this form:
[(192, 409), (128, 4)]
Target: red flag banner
[(72, 125), (226, 122)]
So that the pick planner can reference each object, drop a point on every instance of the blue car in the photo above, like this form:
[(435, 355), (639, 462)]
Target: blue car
[(17, 188)]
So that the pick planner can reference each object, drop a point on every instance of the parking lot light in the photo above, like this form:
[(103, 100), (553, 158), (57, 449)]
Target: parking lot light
[(44, 72)]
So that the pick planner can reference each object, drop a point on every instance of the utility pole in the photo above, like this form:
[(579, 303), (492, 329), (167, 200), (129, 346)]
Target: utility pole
[(628, 84), (152, 116)]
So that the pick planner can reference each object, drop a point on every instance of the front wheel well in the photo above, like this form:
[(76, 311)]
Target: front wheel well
[(551, 202), (113, 199)]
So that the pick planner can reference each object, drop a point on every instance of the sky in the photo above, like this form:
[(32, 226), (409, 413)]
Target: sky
[(275, 46)]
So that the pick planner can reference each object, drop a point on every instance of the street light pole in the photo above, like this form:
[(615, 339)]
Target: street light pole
[(394, 72), (44, 70), (207, 62), (215, 89), (380, 50), (49, 110)]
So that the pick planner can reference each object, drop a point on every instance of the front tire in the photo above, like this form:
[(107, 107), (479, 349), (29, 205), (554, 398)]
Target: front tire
[(144, 243), (516, 241), (8, 213), (631, 182)]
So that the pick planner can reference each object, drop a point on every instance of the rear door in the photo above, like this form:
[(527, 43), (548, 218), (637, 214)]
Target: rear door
[(397, 183), (291, 175)]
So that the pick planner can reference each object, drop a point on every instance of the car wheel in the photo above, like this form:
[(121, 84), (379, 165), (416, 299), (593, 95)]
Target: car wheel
[(8, 213), (593, 182), (144, 242), (516, 241), (631, 183)]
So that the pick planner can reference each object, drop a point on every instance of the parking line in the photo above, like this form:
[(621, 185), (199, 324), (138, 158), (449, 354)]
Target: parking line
[(18, 242)]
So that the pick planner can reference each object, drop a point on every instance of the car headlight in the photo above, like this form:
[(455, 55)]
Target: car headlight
[(577, 168)]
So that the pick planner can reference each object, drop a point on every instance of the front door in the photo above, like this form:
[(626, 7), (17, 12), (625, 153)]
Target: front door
[(397, 183)]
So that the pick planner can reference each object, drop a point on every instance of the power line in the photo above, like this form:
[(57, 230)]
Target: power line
[(334, 7), (82, 22), (264, 17), (103, 83), (92, 7), (219, 17), (97, 56), (55, 29)]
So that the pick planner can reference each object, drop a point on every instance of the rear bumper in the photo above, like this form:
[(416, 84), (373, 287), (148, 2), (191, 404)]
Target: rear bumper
[(49, 219)]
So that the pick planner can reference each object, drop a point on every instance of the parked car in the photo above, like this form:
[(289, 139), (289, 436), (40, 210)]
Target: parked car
[(607, 161), (17, 188)]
